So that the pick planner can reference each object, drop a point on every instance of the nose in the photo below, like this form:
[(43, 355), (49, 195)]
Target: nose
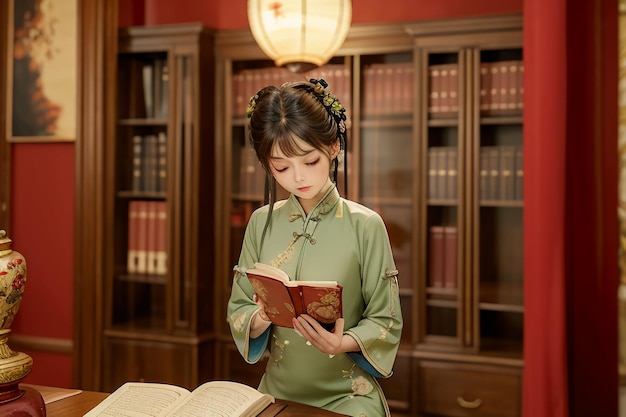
[(298, 174)]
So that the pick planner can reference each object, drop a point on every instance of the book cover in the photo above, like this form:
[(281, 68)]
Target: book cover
[(450, 256), (137, 165), (161, 182), (451, 177), (286, 299), (133, 236), (485, 87), (519, 173), (151, 237), (148, 90), (436, 256), (213, 398), (432, 172), (141, 253), (434, 102), (507, 173), (161, 237)]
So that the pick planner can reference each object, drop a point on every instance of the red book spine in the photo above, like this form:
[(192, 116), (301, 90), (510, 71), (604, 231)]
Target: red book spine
[(150, 237), (142, 239), (436, 257), (451, 257), (133, 236), (434, 102), (161, 237)]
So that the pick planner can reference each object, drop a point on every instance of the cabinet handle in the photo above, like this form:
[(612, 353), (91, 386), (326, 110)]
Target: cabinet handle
[(469, 404)]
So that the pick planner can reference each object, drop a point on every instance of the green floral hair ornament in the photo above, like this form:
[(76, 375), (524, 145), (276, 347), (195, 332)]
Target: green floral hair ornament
[(251, 105)]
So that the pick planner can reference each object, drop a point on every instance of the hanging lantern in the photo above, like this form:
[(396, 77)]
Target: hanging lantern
[(299, 34)]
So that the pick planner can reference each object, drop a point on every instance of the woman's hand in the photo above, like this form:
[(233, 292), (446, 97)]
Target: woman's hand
[(332, 343), (260, 321)]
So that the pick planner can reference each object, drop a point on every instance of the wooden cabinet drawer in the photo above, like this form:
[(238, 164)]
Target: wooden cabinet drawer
[(463, 390)]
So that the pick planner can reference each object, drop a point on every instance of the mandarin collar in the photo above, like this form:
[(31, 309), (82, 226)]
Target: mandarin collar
[(323, 207)]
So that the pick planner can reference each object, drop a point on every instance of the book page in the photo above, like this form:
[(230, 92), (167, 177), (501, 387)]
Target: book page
[(223, 399), (140, 399), (270, 271)]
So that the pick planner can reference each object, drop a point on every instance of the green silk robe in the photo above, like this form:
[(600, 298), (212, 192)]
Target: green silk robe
[(341, 241)]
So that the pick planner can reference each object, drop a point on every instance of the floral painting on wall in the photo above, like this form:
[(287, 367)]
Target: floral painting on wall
[(42, 68)]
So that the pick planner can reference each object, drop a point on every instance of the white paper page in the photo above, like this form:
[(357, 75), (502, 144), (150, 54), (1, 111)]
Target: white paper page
[(140, 400)]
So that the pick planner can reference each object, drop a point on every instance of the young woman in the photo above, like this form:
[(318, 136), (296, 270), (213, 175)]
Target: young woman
[(298, 131)]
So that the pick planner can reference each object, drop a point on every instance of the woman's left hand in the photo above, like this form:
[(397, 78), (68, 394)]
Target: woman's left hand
[(332, 343)]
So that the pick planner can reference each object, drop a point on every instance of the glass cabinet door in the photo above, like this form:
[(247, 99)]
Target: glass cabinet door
[(443, 220), (386, 151), (498, 200)]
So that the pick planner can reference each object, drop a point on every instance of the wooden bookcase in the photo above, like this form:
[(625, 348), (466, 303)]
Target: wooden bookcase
[(456, 234), (159, 211)]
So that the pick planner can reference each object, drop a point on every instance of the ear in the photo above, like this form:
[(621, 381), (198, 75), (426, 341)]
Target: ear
[(334, 149)]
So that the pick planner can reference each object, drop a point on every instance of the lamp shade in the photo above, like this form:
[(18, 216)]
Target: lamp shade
[(299, 34)]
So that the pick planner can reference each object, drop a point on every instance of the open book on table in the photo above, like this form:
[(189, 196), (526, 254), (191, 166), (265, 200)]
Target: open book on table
[(285, 299), (211, 399)]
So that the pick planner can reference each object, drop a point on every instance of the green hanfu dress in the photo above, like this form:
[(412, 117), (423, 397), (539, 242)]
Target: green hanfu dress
[(338, 241)]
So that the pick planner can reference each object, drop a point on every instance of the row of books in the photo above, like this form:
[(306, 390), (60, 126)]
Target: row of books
[(442, 173), (251, 174), (248, 82), (442, 257), (388, 89), (149, 163), (147, 237), (501, 173), (155, 76), (501, 88)]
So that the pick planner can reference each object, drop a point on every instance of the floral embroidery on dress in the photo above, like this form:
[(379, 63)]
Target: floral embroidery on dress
[(361, 386), (384, 332), (238, 321), (279, 352)]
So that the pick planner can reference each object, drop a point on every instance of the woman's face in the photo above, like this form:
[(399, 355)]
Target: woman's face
[(306, 175)]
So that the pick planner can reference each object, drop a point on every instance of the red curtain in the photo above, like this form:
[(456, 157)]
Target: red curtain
[(571, 229)]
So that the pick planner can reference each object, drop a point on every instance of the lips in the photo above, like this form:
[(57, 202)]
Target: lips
[(304, 189)]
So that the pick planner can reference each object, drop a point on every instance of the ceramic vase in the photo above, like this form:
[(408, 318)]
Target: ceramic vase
[(14, 366)]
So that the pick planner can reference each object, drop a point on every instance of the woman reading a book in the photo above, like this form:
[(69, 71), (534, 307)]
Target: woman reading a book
[(298, 131)]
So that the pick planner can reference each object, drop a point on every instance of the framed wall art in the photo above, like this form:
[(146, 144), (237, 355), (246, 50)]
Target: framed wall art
[(42, 70)]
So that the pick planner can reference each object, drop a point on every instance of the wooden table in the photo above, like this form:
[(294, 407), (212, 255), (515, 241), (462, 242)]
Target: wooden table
[(75, 403)]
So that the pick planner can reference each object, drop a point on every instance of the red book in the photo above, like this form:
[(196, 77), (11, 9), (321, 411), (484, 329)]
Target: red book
[(151, 237), (434, 101), (450, 263), (436, 256), (133, 236), (485, 87), (142, 239), (286, 299), (161, 237)]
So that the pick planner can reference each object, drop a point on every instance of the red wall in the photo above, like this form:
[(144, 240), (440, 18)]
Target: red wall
[(43, 174), (224, 14)]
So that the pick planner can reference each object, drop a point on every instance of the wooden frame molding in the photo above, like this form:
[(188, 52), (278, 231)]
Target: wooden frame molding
[(97, 60)]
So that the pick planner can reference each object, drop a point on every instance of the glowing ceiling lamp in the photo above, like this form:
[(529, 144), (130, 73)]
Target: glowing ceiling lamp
[(299, 34)]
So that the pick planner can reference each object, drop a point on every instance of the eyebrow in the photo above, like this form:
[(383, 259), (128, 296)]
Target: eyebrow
[(304, 154)]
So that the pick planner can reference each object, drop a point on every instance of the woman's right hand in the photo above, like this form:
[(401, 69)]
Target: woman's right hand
[(260, 321)]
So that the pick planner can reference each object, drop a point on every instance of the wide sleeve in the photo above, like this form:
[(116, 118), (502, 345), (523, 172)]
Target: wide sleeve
[(378, 332), (241, 306)]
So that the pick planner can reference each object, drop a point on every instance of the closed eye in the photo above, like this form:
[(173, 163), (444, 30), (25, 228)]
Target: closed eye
[(313, 162)]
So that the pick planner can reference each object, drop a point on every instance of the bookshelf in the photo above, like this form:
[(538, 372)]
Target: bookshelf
[(159, 210), (419, 149)]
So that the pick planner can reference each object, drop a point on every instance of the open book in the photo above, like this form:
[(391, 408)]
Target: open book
[(285, 299), (211, 399)]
